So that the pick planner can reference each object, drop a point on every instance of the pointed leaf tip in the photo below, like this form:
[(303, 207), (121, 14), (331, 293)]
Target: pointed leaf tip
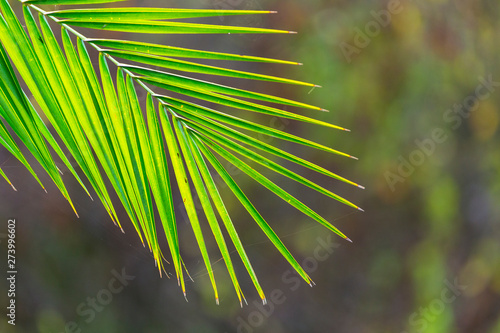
[(354, 157), (361, 209), (348, 239), (361, 187)]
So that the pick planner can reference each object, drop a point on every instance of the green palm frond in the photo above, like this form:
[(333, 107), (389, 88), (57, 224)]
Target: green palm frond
[(116, 137)]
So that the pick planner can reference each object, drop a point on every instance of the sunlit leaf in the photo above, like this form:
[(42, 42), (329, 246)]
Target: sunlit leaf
[(101, 114)]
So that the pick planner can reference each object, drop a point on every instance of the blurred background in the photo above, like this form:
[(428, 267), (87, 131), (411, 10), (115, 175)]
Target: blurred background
[(416, 82)]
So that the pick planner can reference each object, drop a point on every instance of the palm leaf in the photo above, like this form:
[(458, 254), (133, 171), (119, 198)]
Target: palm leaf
[(117, 138)]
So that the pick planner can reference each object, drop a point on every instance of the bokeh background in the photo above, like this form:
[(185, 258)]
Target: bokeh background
[(426, 252)]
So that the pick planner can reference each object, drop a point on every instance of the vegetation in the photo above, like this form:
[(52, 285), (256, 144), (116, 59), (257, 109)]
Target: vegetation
[(130, 144)]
